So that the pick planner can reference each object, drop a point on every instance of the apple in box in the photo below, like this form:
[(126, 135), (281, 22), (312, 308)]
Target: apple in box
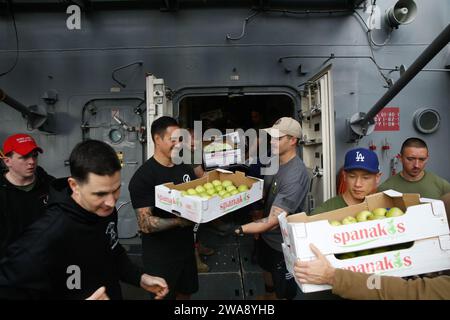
[(349, 220), (223, 189), (394, 212), (363, 215), (208, 186), (379, 211), (216, 183)]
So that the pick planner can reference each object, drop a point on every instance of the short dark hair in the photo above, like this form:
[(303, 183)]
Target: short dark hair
[(160, 125), (93, 156), (414, 143)]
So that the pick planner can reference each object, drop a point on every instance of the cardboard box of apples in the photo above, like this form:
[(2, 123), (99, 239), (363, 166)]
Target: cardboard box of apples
[(212, 196), (389, 233)]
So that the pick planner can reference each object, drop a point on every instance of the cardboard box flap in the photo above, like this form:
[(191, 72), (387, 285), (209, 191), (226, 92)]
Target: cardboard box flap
[(187, 185), (427, 200), (297, 217), (238, 178), (382, 200), (392, 193), (379, 200), (444, 242), (391, 199), (223, 171), (410, 199), (169, 185), (240, 174), (338, 214), (439, 209)]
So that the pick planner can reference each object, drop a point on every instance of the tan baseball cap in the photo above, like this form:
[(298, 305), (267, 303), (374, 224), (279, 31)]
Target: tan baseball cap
[(285, 126)]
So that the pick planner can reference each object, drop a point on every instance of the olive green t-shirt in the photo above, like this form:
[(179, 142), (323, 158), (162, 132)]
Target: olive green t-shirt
[(430, 186), (28, 187), (331, 204)]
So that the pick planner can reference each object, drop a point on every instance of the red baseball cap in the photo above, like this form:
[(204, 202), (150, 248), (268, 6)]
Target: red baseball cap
[(21, 143)]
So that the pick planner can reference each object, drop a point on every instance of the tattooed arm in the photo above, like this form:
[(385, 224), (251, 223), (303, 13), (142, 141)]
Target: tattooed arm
[(148, 223), (264, 224)]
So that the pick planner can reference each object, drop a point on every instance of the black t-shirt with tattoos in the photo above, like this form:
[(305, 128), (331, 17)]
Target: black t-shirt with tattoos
[(171, 244)]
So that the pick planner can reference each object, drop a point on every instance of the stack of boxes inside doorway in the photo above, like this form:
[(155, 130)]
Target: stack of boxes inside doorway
[(414, 240)]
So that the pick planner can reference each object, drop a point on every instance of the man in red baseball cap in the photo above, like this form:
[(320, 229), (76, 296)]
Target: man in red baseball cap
[(23, 188)]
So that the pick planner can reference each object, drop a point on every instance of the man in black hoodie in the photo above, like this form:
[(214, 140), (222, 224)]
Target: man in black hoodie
[(23, 188), (73, 249)]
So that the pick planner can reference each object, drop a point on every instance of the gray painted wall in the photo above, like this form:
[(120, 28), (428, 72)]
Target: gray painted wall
[(189, 48)]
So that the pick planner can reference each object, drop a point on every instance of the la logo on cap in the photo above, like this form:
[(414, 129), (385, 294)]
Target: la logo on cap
[(359, 157)]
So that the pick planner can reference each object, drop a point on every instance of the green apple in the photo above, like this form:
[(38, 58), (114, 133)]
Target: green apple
[(218, 188), (401, 246), (200, 189), (205, 196), (226, 195), (349, 220), (335, 223), (394, 212), (208, 186), (221, 193), (216, 183), (364, 252), (226, 183), (242, 188), (230, 188), (381, 250), (348, 255), (363, 216), (374, 217), (191, 192), (233, 192), (211, 191), (379, 211)]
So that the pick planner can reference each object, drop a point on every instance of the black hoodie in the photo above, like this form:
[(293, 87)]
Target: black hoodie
[(19, 209), (65, 243)]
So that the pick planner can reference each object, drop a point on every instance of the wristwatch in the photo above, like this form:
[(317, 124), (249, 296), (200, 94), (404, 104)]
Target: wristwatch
[(239, 231)]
